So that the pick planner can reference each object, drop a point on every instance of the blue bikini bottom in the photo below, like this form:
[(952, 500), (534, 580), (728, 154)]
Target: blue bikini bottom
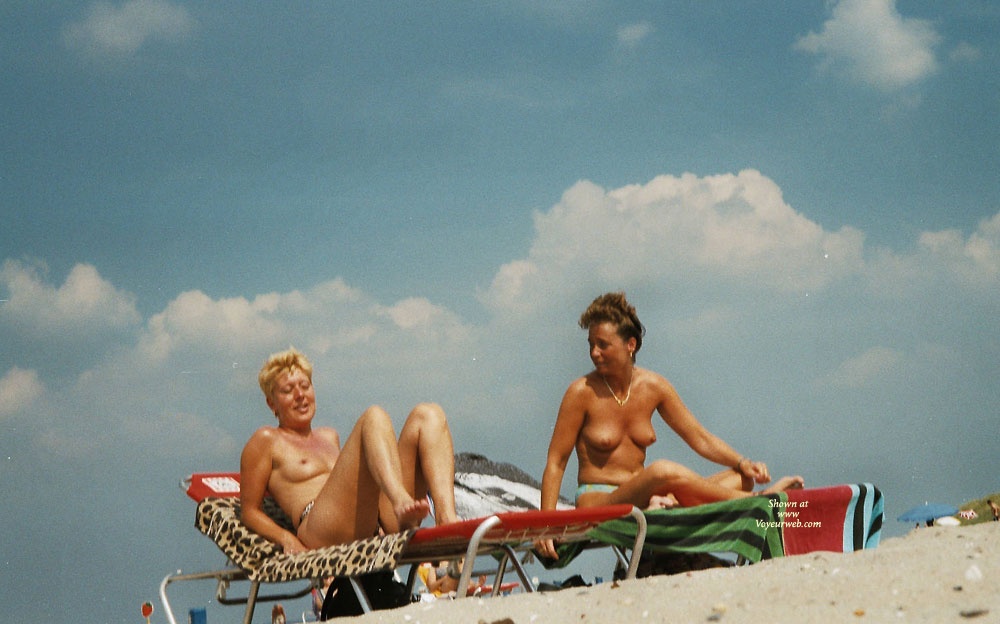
[(584, 488)]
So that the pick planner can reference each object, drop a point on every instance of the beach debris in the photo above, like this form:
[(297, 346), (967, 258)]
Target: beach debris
[(147, 610), (859, 613), (973, 573), (277, 614), (718, 610), (968, 514), (974, 613)]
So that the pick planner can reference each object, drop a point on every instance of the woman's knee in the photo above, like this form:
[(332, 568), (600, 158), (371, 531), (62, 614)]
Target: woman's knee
[(376, 415), (429, 414), (665, 470)]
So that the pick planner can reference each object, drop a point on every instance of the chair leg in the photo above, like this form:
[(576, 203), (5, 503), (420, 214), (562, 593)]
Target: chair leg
[(521, 572), (411, 578), (359, 591), (640, 540), (501, 571), (471, 550), (251, 602)]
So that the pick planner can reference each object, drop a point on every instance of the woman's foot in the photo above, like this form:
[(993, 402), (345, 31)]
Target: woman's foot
[(786, 483), (662, 502), (410, 515)]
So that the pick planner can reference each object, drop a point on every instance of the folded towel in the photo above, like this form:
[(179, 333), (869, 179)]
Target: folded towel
[(840, 518)]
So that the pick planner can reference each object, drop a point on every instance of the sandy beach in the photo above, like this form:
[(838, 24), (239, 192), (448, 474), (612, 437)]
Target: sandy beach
[(936, 574)]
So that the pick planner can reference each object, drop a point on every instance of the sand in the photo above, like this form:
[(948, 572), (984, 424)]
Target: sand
[(937, 574)]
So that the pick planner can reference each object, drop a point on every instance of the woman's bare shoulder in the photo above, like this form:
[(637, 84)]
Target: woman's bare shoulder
[(267, 433), (651, 383), (582, 385), (653, 378), (262, 440)]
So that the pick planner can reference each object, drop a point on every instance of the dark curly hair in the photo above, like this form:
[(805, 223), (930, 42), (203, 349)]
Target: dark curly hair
[(614, 308)]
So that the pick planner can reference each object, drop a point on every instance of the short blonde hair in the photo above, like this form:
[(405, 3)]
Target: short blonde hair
[(277, 363)]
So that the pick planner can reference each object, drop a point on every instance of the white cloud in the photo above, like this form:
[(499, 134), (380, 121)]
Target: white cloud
[(195, 319), (122, 30), (508, 285), (707, 322), (976, 260), (732, 227), (332, 315), (418, 313), (965, 52), (866, 369), (195, 363), (873, 43), (943, 257), (84, 303), (632, 35), (728, 231), (343, 330), (18, 389)]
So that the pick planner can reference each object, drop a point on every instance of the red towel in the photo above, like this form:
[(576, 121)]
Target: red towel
[(839, 518)]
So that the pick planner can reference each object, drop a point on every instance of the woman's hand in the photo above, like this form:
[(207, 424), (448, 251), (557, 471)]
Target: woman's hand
[(546, 548), (290, 544), (754, 470)]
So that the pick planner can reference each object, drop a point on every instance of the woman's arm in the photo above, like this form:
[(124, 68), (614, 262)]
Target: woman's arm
[(676, 414), (564, 435), (702, 441), (569, 421), (255, 473)]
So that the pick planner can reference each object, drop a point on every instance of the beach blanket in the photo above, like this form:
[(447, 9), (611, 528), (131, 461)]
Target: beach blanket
[(840, 518)]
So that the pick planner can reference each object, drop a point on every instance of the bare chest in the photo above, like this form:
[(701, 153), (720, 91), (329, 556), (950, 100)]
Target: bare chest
[(609, 428), (297, 461)]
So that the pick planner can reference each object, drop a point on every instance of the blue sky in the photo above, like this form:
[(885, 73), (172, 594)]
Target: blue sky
[(801, 198)]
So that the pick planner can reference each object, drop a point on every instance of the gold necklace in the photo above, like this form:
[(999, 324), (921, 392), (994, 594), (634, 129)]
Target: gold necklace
[(620, 402)]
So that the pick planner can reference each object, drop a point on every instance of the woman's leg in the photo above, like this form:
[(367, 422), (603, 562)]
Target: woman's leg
[(427, 458), (732, 479), (367, 468), (663, 477)]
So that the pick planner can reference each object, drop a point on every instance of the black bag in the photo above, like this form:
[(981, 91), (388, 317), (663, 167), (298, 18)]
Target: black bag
[(384, 592), (574, 581)]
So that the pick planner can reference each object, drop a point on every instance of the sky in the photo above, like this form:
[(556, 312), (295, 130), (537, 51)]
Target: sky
[(801, 198)]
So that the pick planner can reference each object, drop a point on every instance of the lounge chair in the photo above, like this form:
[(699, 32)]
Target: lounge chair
[(258, 560), (836, 518)]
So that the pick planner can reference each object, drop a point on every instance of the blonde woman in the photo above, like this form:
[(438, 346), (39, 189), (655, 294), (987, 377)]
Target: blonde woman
[(338, 493)]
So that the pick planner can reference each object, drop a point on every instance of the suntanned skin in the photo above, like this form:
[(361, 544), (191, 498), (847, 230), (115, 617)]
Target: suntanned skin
[(371, 481), (611, 439)]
